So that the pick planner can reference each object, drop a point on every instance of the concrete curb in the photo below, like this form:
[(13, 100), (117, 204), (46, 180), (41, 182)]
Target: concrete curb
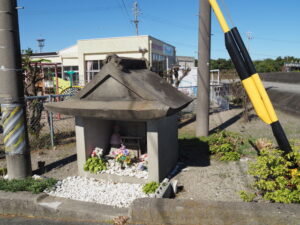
[(43, 205), (151, 211), (172, 211)]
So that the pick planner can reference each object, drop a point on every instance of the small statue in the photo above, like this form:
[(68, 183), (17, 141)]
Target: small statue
[(115, 139)]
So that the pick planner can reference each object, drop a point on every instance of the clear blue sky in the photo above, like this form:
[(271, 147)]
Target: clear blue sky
[(274, 24)]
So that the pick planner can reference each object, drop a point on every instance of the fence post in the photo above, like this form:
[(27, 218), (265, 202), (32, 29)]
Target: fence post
[(50, 114)]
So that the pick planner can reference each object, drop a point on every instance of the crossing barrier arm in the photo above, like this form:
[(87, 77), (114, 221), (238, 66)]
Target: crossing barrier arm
[(250, 79)]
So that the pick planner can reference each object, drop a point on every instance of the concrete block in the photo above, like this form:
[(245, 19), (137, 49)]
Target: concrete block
[(162, 147)]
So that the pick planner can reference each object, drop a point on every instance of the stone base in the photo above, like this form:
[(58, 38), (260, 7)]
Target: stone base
[(162, 143), (114, 178)]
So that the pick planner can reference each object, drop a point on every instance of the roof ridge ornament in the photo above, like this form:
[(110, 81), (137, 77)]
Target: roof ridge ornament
[(126, 64)]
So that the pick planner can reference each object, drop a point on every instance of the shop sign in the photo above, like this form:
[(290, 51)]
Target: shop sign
[(157, 47), (168, 50)]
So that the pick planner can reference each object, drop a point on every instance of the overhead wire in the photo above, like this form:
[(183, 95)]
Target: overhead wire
[(123, 7), (227, 12)]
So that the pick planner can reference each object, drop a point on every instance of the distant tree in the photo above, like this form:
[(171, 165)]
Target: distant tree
[(221, 64), (32, 76), (172, 75)]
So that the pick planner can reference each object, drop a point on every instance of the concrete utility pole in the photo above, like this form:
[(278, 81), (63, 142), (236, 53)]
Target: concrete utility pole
[(12, 93), (202, 113)]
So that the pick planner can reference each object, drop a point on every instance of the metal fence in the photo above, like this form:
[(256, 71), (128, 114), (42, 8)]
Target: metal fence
[(46, 129)]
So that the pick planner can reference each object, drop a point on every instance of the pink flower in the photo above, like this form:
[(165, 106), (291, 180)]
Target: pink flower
[(93, 154)]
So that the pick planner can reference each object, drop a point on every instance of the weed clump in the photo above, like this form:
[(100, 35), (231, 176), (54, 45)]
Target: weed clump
[(150, 187), (225, 146)]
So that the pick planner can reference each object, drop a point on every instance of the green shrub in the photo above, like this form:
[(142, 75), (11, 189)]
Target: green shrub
[(3, 171), (95, 165), (225, 146), (27, 184), (150, 187), (247, 196), (274, 178)]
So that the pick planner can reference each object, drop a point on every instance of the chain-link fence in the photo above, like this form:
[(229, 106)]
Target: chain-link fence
[(46, 129)]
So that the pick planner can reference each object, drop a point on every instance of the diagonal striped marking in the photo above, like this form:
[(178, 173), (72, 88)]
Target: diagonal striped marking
[(15, 136), (19, 124), (16, 109), (9, 127)]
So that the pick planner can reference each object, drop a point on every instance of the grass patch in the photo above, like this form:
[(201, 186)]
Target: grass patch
[(227, 146), (223, 145), (34, 186)]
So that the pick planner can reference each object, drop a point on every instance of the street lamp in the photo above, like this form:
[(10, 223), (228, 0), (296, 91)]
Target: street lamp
[(41, 43)]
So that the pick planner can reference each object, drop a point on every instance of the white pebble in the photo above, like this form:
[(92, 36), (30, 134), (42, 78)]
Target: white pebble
[(101, 192)]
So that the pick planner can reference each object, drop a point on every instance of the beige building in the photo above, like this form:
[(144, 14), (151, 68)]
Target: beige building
[(85, 59), (185, 61)]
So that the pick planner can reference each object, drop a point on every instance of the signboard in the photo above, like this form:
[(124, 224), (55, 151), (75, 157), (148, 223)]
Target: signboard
[(157, 47), (168, 50)]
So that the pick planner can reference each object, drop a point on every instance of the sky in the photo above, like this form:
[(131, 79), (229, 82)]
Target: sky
[(273, 24)]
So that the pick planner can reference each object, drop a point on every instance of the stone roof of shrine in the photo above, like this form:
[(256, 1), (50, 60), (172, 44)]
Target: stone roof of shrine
[(124, 89)]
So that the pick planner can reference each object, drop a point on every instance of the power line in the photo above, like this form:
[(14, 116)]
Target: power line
[(69, 10), (124, 9), (276, 40)]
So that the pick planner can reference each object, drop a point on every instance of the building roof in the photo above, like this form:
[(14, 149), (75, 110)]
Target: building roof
[(124, 90), (45, 54), (185, 58)]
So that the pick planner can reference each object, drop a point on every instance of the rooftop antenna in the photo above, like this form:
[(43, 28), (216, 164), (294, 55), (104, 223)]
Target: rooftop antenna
[(41, 43), (136, 12)]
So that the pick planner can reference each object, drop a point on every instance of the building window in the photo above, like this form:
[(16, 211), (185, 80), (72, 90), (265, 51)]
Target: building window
[(159, 63), (92, 68), (71, 73)]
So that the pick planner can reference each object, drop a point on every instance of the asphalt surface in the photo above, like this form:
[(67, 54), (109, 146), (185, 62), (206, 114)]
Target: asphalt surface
[(17, 220), (283, 87)]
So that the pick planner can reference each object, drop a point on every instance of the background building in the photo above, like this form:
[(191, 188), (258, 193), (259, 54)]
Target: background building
[(185, 61), (85, 59)]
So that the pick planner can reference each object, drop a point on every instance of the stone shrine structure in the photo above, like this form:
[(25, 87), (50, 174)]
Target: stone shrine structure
[(126, 94)]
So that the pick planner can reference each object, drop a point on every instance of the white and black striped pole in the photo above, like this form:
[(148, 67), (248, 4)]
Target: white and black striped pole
[(12, 94)]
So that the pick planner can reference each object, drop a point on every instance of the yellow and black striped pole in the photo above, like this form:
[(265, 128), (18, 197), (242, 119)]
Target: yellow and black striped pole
[(13, 129), (250, 79)]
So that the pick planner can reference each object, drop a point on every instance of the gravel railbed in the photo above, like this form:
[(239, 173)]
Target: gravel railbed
[(98, 191)]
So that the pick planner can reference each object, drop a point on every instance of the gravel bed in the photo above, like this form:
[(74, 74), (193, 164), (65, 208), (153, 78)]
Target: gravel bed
[(98, 191), (133, 171)]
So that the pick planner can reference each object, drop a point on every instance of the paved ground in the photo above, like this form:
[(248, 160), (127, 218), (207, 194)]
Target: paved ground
[(221, 181), (284, 87), (18, 220)]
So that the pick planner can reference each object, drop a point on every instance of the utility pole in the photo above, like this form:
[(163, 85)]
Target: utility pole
[(12, 94), (136, 12), (204, 33)]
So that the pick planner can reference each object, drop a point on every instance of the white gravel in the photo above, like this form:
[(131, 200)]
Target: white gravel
[(98, 191), (114, 167)]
